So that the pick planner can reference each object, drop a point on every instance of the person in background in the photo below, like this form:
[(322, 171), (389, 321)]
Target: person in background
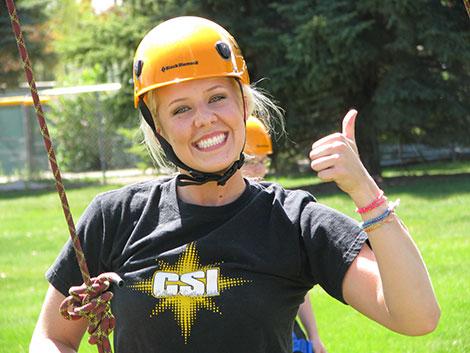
[(258, 148)]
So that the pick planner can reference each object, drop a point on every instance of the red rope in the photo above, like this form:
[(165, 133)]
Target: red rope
[(89, 300), (47, 140), (93, 303), (467, 6)]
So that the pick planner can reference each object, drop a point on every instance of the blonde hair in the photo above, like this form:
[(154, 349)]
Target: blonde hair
[(259, 103)]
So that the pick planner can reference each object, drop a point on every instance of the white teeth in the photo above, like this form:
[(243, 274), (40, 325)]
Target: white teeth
[(211, 141)]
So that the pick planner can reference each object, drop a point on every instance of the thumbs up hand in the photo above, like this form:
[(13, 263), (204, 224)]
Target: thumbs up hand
[(336, 158), (349, 128)]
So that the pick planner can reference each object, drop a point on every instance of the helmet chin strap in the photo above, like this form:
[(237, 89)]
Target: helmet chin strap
[(195, 177)]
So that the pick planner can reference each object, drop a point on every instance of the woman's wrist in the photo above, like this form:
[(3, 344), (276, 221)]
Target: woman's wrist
[(368, 192)]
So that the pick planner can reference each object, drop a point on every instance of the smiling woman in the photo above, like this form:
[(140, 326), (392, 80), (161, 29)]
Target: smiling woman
[(204, 121), (213, 262)]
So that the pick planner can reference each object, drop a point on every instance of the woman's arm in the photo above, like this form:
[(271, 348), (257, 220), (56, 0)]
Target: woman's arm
[(307, 318), (391, 284), (53, 333)]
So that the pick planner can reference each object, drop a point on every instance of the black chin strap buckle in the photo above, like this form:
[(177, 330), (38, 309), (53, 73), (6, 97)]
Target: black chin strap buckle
[(196, 177)]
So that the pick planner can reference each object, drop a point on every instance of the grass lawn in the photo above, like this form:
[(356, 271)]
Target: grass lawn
[(32, 231), (431, 168)]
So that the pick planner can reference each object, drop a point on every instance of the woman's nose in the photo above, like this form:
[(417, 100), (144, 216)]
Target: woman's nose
[(204, 117)]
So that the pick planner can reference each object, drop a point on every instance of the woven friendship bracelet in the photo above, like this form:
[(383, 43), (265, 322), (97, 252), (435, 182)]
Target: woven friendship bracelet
[(374, 204), (379, 219), (381, 223)]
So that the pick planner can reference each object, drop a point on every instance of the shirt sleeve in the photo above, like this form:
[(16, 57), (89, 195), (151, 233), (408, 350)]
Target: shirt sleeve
[(65, 272), (332, 241)]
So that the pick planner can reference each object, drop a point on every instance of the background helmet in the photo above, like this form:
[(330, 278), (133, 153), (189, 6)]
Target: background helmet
[(258, 140), (182, 49)]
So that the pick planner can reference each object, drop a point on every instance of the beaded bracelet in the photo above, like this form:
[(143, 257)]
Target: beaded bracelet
[(381, 219), (374, 204)]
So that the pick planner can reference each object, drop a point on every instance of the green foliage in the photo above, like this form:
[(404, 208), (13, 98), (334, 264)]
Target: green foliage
[(74, 129), (33, 19), (84, 132), (136, 147), (403, 64)]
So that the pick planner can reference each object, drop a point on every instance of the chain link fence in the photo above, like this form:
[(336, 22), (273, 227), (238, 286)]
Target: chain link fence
[(88, 144)]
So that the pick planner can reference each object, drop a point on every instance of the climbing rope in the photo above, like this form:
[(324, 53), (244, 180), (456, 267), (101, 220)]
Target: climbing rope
[(93, 303), (467, 6), (91, 299)]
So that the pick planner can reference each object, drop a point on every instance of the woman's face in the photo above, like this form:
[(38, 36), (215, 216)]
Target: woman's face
[(203, 121)]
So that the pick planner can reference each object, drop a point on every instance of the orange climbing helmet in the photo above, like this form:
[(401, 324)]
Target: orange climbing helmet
[(258, 140), (182, 49)]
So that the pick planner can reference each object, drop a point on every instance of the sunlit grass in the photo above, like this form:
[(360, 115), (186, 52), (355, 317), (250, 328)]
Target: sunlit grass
[(32, 231)]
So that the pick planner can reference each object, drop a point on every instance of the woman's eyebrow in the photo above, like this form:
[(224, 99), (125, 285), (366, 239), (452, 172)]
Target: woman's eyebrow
[(176, 101), (207, 90), (214, 87)]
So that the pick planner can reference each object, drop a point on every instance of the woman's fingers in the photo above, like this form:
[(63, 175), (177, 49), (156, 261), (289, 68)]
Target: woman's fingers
[(337, 136), (336, 146), (328, 174), (321, 163)]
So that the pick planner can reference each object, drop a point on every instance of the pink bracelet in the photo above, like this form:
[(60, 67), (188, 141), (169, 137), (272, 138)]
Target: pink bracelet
[(374, 204)]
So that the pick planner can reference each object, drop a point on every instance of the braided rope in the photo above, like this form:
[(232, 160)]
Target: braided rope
[(47, 140), (467, 6), (93, 303), (89, 300)]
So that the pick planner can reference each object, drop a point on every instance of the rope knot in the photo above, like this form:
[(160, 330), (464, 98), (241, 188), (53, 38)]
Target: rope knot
[(93, 303)]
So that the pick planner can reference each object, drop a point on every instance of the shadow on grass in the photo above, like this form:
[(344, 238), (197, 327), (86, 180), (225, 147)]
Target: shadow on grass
[(426, 186), (45, 188)]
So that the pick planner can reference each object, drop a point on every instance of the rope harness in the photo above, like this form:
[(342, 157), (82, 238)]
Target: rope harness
[(89, 300)]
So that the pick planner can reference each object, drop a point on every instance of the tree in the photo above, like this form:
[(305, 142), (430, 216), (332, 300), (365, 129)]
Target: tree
[(33, 19), (403, 64)]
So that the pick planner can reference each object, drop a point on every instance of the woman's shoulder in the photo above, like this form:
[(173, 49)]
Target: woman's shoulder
[(282, 193), (136, 193), (291, 202)]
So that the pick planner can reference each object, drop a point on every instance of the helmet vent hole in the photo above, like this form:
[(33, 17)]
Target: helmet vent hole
[(139, 64), (223, 49)]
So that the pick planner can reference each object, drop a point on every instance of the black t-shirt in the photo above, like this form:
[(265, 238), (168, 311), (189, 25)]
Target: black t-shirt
[(210, 279)]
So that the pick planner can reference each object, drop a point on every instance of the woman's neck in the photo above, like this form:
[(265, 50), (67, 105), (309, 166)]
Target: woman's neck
[(211, 194)]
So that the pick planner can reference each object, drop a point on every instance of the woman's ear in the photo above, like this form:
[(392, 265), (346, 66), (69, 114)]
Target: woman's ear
[(157, 127), (247, 108)]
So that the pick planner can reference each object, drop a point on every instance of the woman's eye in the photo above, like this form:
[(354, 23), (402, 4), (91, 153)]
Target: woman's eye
[(216, 98), (180, 110)]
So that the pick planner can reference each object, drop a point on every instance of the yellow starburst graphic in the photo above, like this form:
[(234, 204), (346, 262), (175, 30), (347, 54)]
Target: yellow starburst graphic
[(186, 287)]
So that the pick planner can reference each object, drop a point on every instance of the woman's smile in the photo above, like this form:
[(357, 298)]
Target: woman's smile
[(211, 142)]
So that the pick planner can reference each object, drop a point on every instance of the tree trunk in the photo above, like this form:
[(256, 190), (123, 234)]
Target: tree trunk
[(368, 144), (366, 128)]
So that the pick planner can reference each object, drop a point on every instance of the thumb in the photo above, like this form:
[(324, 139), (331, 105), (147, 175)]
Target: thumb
[(349, 121)]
